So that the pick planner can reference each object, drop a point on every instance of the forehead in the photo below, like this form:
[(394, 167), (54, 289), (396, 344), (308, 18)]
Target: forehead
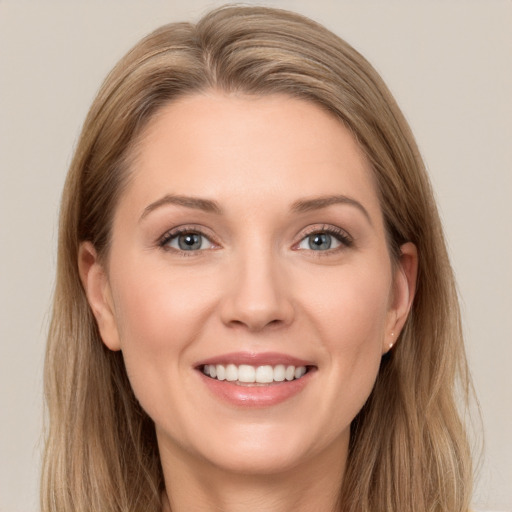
[(267, 147)]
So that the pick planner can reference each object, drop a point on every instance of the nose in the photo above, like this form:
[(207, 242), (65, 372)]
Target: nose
[(257, 294)]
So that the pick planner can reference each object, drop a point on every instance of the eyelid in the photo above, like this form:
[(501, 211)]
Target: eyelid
[(341, 235), (172, 233)]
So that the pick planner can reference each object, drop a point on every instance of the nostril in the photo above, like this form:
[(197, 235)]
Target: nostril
[(254, 325)]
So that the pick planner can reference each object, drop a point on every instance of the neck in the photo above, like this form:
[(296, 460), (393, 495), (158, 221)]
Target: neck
[(196, 486)]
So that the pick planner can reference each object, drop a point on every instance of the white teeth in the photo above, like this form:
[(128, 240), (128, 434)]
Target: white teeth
[(264, 374), (231, 372), (290, 373), (221, 372), (279, 373), (248, 374), (299, 372)]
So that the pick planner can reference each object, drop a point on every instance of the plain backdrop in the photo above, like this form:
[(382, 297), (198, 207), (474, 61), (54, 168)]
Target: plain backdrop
[(449, 64)]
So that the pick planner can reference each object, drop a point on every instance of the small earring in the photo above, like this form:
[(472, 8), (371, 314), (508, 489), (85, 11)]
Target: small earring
[(391, 344)]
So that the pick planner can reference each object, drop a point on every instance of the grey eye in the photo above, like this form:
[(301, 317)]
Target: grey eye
[(189, 242), (319, 242)]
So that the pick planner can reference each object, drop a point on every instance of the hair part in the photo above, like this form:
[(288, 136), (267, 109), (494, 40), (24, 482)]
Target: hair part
[(408, 449)]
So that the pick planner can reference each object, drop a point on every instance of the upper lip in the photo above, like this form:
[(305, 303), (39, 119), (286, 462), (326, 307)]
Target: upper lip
[(255, 359)]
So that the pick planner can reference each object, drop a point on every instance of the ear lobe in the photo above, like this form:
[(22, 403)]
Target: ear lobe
[(404, 289), (97, 289)]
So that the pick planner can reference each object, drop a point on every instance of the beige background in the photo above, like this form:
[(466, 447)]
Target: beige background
[(449, 64)]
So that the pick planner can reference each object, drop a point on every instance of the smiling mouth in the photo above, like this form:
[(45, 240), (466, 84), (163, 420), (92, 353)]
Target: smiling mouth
[(247, 375)]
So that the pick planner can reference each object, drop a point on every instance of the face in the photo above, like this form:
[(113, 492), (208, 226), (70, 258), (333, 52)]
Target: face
[(248, 284)]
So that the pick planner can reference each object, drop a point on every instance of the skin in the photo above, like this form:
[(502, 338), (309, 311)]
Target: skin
[(256, 285)]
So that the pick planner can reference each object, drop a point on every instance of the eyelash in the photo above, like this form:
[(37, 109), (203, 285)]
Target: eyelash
[(339, 234), (183, 230)]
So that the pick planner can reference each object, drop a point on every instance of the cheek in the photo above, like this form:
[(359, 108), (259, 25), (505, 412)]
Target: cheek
[(351, 308), (157, 307), (352, 320), (159, 314)]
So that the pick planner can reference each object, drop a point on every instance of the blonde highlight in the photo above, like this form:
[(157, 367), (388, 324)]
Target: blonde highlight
[(408, 449)]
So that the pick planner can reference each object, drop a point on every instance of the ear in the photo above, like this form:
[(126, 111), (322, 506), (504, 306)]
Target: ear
[(97, 289), (404, 288)]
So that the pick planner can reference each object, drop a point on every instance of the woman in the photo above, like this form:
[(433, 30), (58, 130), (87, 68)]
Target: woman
[(254, 306)]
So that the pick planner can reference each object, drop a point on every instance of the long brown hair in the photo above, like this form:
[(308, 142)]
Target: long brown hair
[(408, 448)]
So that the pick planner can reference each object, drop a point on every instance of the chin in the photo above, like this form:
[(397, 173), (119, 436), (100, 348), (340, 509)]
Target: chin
[(271, 450), (258, 461)]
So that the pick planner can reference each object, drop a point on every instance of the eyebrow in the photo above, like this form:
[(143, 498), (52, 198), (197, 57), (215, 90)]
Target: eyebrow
[(317, 203), (196, 203), (299, 206)]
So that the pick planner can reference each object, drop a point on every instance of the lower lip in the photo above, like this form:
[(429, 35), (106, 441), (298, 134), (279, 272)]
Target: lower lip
[(256, 395)]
